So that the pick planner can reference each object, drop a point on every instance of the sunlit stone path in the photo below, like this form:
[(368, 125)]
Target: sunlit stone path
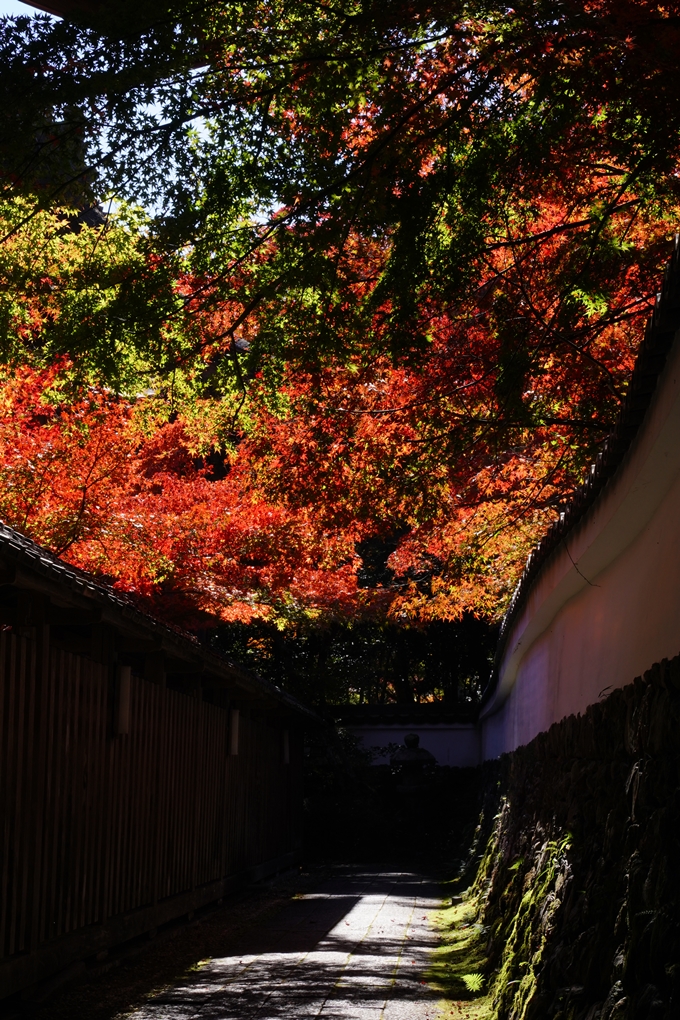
[(357, 947)]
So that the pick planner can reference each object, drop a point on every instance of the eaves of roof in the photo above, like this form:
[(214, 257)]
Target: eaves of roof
[(37, 565), (433, 713), (658, 338)]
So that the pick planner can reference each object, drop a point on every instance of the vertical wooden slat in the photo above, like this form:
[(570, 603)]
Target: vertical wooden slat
[(49, 708), (10, 765), (121, 783), (18, 847), (26, 813), (77, 813), (92, 780), (107, 787), (183, 878), (113, 839), (161, 818), (38, 763), (86, 764), (98, 785), (61, 749), (5, 781), (64, 889), (149, 691), (93, 823)]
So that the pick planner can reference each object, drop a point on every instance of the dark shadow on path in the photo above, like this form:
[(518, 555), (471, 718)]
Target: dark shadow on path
[(356, 947)]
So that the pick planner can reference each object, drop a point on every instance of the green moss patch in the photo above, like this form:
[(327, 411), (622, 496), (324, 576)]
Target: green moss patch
[(457, 965)]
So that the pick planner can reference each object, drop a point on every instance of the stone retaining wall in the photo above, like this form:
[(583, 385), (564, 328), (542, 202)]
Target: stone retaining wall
[(576, 863)]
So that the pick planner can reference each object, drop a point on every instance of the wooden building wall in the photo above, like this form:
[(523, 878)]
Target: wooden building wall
[(104, 837)]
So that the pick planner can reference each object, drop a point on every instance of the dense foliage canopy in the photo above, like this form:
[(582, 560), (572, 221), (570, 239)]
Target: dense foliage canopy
[(371, 661), (358, 303)]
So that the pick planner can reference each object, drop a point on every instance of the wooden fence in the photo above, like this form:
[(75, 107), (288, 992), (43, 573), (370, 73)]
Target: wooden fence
[(104, 837)]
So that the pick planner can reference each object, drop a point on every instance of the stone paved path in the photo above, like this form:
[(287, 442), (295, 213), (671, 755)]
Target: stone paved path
[(356, 948)]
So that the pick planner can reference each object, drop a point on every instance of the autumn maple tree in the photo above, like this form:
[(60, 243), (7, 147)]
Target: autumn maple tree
[(377, 314)]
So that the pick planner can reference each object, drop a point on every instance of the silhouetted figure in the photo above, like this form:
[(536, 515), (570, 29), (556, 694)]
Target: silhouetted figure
[(412, 765)]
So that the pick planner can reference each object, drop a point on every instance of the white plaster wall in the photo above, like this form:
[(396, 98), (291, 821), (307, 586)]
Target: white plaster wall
[(606, 607), (455, 745)]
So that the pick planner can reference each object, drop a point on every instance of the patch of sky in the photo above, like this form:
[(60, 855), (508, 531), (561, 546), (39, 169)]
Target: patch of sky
[(156, 115), (15, 9)]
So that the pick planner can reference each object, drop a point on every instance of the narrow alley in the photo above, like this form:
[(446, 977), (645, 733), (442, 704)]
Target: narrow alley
[(356, 947)]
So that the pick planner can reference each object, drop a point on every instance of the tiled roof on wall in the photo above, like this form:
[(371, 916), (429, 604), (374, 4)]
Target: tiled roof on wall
[(40, 566), (658, 337)]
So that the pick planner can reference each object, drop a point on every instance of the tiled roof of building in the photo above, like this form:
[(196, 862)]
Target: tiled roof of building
[(432, 713), (32, 560), (658, 338)]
